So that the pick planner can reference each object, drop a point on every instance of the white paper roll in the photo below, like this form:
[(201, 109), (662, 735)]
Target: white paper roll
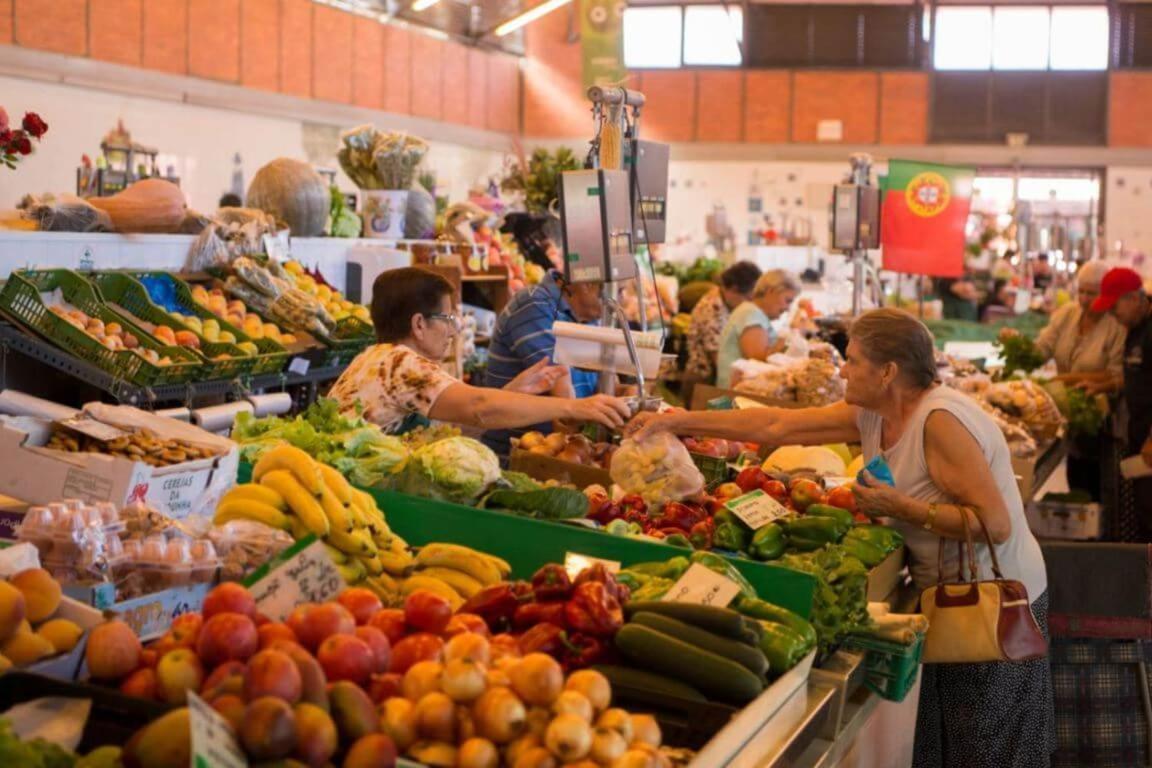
[(219, 418), (180, 414), (271, 405), (17, 403)]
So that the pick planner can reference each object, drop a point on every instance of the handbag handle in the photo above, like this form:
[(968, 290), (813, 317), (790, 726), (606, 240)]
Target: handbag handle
[(973, 573)]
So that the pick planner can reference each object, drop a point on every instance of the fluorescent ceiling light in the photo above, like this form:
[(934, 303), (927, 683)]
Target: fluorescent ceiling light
[(529, 16), (423, 5)]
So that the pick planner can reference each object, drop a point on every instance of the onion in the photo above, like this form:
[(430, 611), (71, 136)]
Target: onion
[(607, 746), (398, 721), (499, 715), (477, 753), (569, 737), (465, 724), (573, 703), (593, 685), (468, 645), (635, 758), (463, 680), (422, 678), (520, 746), (497, 678), (645, 730), (537, 679), (538, 719), (537, 757), (436, 718), (617, 720)]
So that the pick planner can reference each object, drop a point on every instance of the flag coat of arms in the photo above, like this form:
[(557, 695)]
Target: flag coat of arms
[(924, 214)]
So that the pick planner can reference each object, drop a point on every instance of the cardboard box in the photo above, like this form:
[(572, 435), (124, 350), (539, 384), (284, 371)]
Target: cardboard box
[(1060, 520), (39, 476), (543, 468), (66, 666)]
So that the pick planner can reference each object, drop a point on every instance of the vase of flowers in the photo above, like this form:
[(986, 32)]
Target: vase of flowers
[(15, 143), (384, 166)]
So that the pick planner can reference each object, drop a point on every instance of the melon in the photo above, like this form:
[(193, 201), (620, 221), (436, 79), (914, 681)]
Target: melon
[(294, 193), (792, 458)]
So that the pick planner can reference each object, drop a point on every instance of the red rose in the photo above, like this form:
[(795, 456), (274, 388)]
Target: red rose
[(21, 143), (34, 125), (5, 137)]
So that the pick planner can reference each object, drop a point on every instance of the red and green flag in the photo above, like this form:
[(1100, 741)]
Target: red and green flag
[(924, 214)]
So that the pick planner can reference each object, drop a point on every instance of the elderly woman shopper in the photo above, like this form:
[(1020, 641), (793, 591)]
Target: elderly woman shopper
[(748, 332), (950, 462), (1088, 349)]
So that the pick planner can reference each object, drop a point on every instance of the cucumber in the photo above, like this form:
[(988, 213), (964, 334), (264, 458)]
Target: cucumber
[(649, 682), (751, 659), (715, 677), (720, 621)]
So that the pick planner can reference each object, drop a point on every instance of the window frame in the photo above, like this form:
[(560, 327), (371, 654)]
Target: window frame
[(683, 10)]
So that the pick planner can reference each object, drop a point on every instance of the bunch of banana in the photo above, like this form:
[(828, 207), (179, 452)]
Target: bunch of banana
[(454, 572), (295, 493)]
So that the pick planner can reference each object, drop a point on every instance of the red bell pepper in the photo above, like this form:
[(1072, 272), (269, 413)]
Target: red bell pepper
[(677, 515), (600, 573), (551, 583), (701, 534), (531, 614), (497, 604), (593, 610), (543, 638), (605, 513), (583, 650)]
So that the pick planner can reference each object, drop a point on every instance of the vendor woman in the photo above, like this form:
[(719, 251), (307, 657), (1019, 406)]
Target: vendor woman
[(950, 462), (748, 334), (400, 383)]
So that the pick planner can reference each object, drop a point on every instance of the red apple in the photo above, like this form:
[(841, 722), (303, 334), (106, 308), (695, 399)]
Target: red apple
[(361, 603), (141, 684), (314, 623), (842, 497), (751, 478), (346, 657), (378, 642), (227, 637), (272, 673), (229, 597), (805, 493), (384, 687), (775, 489), (185, 629), (728, 491), (273, 631), (390, 621)]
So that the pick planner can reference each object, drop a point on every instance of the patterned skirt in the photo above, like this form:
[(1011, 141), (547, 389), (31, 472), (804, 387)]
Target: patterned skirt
[(991, 715)]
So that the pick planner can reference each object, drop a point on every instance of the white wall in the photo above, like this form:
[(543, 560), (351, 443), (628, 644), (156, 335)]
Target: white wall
[(199, 141), (1127, 208)]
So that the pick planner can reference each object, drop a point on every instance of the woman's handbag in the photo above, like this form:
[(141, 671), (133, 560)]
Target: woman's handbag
[(974, 621)]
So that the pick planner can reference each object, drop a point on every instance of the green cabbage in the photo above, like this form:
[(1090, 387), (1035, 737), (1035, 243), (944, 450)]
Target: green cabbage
[(457, 469)]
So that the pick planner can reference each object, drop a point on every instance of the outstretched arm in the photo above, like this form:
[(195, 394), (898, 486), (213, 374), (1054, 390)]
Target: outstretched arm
[(499, 409), (834, 423)]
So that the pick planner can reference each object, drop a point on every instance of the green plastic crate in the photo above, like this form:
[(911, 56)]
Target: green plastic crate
[(890, 669), (127, 292), (20, 298), (714, 469), (272, 356)]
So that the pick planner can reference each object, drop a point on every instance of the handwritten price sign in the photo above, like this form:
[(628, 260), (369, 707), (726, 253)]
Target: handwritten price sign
[(574, 563), (757, 509), (702, 586), (213, 744), (304, 574)]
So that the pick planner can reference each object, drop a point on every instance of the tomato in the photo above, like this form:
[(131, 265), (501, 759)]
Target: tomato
[(467, 622), (427, 611), (775, 489), (414, 648), (805, 493), (504, 645), (390, 621), (843, 497), (751, 478)]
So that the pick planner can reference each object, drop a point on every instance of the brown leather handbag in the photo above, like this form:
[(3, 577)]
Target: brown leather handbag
[(973, 621)]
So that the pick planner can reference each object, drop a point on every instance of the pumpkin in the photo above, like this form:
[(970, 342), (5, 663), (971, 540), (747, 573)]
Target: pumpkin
[(149, 205), (294, 193)]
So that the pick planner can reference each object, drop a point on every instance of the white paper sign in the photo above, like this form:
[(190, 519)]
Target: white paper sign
[(307, 575), (213, 743), (18, 557), (702, 586), (299, 366), (574, 563), (278, 247), (757, 509)]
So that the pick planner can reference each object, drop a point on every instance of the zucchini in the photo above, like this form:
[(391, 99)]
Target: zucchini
[(715, 677), (720, 621), (630, 678), (751, 659)]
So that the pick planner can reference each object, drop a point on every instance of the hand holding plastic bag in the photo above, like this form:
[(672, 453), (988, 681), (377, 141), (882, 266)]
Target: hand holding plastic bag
[(658, 468)]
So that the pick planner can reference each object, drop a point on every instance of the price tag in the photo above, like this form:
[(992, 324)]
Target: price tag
[(213, 743), (303, 573), (151, 615), (831, 482), (299, 366), (278, 246), (18, 557), (757, 509), (574, 563), (702, 586)]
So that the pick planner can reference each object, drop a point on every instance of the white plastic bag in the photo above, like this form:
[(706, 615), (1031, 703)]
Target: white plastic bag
[(658, 469)]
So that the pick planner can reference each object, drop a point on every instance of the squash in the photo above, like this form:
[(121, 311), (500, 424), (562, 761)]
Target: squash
[(294, 193), (149, 205)]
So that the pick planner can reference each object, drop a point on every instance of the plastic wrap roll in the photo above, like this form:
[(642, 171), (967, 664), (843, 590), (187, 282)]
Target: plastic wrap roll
[(271, 405), (16, 403), (180, 414), (219, 418)]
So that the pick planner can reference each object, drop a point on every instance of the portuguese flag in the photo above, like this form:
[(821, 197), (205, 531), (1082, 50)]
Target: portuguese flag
[(924, 213)]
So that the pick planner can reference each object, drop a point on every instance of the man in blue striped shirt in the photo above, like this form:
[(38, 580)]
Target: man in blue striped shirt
[(523, 337)]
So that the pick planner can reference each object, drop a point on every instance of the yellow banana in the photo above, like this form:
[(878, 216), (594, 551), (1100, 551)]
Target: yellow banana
[(385, 582), (435, 586), (398, 546), (299, 530), (371, 565), (464, 584), (243, 509), (288, 457), (395, 564), (336, 482), (383, 540), (351, 543), (387, 591), (352, 572), (460, 558), (255, 492), (501, 564), (302, 503), (337, 514)]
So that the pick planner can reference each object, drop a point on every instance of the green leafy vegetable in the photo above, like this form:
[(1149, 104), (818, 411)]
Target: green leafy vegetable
[(36, 753), (1085, 412), (543, 504), (458, 469), (1020, 354)]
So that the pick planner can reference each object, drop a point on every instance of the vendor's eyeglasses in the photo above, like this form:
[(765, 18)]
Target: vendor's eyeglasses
[(452, 320)]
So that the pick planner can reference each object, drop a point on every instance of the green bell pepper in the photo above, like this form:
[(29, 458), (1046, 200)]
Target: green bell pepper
[(731, 536), (783, 647), (887, 539), (762, 611), (632, 579), (654, 589), (865, 551), (722, 566), (767, 543), (678, 540), (672, 568), (809, 533), (842, 516)]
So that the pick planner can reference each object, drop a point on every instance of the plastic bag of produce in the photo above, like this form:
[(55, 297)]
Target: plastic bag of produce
[(657, 468)]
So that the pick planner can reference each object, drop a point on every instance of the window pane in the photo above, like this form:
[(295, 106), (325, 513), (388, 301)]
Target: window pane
[(1080, 38), (1020, 38), (963, 38), (652, 37), (712, 35)]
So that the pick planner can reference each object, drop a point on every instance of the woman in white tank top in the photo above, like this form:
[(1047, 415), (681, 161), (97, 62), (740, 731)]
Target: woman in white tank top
[(948, 460)]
